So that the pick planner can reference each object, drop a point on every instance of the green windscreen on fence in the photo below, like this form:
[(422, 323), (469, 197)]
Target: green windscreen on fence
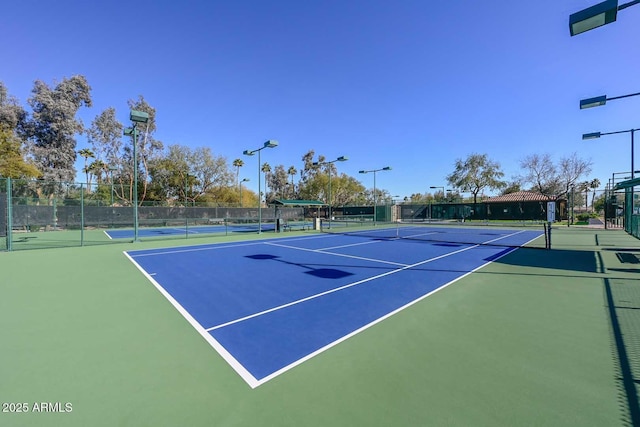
[(3, 215), (40, 214)]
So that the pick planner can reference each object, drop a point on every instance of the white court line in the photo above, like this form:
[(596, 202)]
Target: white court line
[(350, 285), (322, 251), (352, 244), (105, 232), (212, 246), (208, 247), (375, 322), (237, 366)]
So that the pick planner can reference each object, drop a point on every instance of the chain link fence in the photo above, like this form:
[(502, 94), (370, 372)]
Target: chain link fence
[(39, 214)]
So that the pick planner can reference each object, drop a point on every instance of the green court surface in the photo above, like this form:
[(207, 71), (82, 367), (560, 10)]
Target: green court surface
[(537, 338)]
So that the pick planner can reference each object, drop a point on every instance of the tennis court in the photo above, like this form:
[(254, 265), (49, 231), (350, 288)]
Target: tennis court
[(535, 337), (266, 306)]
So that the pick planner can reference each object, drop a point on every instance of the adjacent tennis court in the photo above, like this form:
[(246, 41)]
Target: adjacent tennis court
[(266, 306)]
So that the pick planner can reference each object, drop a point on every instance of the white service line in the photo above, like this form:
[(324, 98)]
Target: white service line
[(210, 246), (352, 244), (323, 251), (350, 285), (330, 291)]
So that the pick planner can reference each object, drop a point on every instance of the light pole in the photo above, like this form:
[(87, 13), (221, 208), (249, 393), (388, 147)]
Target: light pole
[(444, 192), (268, 144), (596, 16), (386, 168), (595, 135), (243, 180), (339, 159), (136, 117)]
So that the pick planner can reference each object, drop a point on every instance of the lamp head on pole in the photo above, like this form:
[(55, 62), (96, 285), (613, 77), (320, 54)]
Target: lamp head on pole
[(593, 135), (593, 17), (130, 132), (248, 152), (137, 116), (593, 102), (270, 143)]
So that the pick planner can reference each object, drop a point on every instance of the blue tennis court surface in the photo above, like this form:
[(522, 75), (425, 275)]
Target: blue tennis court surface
[(269, 305)]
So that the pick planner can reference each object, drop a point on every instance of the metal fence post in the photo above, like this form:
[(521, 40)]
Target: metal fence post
[(81, 214), (9, 216)]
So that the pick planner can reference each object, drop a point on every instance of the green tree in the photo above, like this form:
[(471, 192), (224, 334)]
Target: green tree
[(476, 173), (598, 203), (148, 147), (53, 126), (182, 173), (512, 187), (12, 161), (278, 180), (105, 137)]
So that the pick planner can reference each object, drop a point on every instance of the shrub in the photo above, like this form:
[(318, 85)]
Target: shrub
[(583, 217)]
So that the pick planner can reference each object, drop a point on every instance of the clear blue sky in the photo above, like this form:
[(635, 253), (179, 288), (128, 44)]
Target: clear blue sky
[(413, 85)]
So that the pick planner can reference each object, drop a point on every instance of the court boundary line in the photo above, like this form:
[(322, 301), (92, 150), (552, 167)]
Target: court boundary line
[(324, 251), (220, 245), (375, 322), (228, 357), (347, 286), (252, 381)]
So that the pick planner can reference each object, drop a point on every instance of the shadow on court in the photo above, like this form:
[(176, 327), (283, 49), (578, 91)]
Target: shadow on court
[(623, 306), (323, 273), (616, 258), (557, 259)]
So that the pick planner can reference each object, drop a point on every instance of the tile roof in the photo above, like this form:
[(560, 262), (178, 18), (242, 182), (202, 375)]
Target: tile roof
[(520, 196)]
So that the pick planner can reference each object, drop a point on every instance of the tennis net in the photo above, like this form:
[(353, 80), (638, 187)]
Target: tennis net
[(446, 233)]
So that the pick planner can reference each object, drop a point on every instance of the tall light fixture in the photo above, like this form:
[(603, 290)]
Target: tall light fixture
[(268, 144), (598, 101), (243, 180), (595, 135), (339, 159), (375, 202), (596, 16), (136, 117), (444, 192)]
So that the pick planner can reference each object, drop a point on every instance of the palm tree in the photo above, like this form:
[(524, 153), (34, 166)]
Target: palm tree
[(86, 153), (238, 163), (97, 168), (594, 184), (266, 169), (292, 171), (584, 186)]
